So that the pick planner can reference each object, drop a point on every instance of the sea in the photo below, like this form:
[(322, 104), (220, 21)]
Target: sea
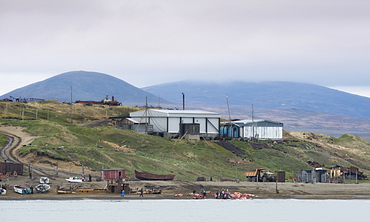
[(185, 210)]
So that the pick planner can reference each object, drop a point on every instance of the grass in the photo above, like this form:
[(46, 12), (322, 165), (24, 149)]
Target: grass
[(61, 138)]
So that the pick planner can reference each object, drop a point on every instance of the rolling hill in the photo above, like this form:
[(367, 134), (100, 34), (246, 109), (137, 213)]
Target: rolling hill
[(84, 85)]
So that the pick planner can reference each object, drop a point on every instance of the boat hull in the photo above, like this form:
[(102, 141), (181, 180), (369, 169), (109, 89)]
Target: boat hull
[(150, 176), (2, 191), (22, 190), (74, 180), (44, 180), (42, 188)]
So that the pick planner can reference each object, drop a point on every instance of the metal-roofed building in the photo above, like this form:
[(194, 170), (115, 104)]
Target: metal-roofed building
[(253, 129), (179, 123)]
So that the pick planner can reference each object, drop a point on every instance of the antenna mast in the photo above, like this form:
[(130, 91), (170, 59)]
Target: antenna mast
[(228, 108)]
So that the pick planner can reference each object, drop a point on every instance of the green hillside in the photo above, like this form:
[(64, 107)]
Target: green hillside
[(73, 140)]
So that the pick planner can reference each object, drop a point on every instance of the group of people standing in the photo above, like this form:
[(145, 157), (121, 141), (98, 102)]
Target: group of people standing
[(223, 194)]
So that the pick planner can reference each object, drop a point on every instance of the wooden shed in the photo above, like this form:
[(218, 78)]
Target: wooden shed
[(116, 174), (8, 167)]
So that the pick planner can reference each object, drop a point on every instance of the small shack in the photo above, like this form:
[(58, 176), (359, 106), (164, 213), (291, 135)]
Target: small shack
[(312, 176), (116, 174), (8, 167)]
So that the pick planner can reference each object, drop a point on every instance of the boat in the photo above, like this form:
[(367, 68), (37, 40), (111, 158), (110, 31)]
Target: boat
[(42, 187), (2, 191), (150, 176), (44, 180), (22, 190), (75, 180)]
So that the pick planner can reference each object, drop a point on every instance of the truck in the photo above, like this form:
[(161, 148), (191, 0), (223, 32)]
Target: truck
[(260, 175)]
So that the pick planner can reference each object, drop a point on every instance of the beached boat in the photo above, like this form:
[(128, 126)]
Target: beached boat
[(2, 191), (150, 176), (22, 190), (44, 180), (75, 180), (42, 187)]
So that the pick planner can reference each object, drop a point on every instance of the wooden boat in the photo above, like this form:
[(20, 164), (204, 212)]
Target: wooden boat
[(22, 190), (42, 187), (44, 180), (75, 180), (150, 176)]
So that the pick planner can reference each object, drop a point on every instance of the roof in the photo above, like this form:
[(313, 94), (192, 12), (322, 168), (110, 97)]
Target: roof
[(112, 169), (174, 113), (250, 121)]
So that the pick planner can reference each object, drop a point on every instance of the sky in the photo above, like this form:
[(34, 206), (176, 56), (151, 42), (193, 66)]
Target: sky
[(150, 42)]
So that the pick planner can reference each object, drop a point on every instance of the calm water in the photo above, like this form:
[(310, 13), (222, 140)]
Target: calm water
[(185, 210)]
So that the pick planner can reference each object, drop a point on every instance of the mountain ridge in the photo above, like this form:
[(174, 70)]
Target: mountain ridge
[(84, 85)]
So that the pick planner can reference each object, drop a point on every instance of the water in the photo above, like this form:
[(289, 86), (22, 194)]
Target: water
[(185, 210)]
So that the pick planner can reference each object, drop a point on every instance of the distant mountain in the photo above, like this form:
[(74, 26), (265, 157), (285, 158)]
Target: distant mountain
[(297, 105), (265, 95), (84, 85)]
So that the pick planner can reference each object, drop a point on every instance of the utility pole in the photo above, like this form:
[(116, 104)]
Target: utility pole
[(183, 101), (71, 108)]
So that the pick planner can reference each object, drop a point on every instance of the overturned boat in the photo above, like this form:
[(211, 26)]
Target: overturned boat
[(42, 187), (150, 176), (22, 190)]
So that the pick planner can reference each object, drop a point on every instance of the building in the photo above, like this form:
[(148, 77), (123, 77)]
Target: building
[(10, 168), (189, 124), (116, 174), (312, 176), (252, 129)]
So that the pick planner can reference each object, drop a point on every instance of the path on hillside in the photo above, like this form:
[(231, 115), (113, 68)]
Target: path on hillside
[(16, 139)]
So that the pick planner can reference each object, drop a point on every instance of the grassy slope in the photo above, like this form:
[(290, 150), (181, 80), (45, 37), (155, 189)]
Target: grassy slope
[(108, 147)]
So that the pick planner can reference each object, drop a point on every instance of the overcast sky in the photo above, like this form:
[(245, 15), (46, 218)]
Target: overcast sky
[(148, 42)]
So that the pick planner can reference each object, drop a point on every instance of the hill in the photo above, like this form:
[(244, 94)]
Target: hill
[(299, 106), (72, 146), (82, 85)]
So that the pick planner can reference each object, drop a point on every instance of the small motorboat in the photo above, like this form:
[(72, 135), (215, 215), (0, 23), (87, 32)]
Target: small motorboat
[(75, 180), (2, 191), (42, 187), (22, 190), (44, 180)]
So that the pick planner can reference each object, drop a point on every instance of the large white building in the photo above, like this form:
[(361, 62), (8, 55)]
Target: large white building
[(252, 129), (177, 123)]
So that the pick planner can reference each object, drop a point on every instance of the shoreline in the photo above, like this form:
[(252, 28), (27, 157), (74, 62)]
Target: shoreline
[(171, 189)]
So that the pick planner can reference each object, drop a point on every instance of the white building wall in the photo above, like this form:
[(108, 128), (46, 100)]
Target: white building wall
[(262, 132), (213, 125), (169, 121), (174, 125)]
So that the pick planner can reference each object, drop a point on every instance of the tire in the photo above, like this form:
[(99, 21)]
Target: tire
[(264, 179), (253, 179)]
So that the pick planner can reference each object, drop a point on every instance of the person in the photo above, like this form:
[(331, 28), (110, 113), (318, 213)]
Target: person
[(141, 192), (194, 191), (89, 178), (203, 192)]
